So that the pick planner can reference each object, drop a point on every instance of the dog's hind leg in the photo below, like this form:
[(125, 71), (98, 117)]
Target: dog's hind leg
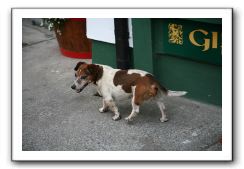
[(162, 108), (135, 102), (134, 112)]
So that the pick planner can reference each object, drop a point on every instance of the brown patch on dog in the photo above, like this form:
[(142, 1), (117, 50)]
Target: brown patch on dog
[(92, 72), (126, 80), (146, 86)]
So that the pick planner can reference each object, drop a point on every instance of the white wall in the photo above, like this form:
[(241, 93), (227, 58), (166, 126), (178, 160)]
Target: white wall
[(102, 29)]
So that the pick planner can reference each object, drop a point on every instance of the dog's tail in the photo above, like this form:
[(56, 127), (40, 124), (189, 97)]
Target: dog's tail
[(170, 92), (176, 93)]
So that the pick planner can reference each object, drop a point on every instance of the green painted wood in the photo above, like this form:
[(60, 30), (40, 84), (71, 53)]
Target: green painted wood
[(202, 81), (207, 20), (206, 34), (142, 44), (103, 53)]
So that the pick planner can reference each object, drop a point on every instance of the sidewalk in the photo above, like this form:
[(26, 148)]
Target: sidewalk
[(56, 118)]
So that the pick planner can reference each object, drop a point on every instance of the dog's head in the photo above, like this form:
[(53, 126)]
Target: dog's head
[(86, 74)]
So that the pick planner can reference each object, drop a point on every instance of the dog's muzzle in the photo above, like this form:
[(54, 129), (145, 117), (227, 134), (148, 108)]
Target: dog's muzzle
[(79, 90)]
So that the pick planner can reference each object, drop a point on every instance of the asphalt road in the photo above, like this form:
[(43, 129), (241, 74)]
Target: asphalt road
[(55, 118)]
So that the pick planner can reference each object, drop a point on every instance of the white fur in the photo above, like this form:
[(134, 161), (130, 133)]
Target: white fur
[(141, 72), (106, 87)]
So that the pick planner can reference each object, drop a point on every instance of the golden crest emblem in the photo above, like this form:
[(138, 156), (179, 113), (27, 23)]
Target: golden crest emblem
[(175, 33)]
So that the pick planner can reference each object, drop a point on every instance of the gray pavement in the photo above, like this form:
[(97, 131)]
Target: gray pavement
[(55, 118)]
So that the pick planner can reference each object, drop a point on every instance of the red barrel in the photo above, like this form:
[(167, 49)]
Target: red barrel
[(72, 39)]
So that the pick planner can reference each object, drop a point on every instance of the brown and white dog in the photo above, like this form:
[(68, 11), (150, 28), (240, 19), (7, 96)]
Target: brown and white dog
[(115, 84)]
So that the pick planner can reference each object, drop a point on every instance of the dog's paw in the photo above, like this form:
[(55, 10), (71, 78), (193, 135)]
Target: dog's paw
[(103, 110), (164, 119), (116, 117), (128, 120)]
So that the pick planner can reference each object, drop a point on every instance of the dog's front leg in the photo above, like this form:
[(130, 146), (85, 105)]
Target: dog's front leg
[(104, 108), (113, 108)]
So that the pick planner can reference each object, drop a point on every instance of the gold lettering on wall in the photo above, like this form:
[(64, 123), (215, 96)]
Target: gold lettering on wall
[(214, 39), (175, 33), (204, 39), (206, 43)]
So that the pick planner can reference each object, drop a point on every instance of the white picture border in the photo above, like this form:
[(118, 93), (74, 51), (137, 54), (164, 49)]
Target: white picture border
[(19, 155)]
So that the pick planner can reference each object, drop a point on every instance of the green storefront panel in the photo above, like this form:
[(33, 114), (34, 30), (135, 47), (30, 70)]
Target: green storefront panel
[(191, 39), (187, 56), (193, 64), (142, 44), (202, 81), (103, 53)]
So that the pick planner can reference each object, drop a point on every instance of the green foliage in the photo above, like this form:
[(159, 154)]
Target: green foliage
[(55, 22)]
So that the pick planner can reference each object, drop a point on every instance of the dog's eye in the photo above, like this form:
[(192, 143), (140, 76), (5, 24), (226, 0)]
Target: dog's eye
[(83, 77), (75, 75)]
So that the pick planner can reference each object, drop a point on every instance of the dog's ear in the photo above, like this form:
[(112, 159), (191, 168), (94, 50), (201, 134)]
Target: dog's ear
[(78, 65), (90, 69), (95, 70)]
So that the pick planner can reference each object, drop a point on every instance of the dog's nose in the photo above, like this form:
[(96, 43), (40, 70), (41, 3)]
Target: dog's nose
[(73, 87)]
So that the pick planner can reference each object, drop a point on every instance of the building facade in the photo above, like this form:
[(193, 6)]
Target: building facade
[(183, 54)]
